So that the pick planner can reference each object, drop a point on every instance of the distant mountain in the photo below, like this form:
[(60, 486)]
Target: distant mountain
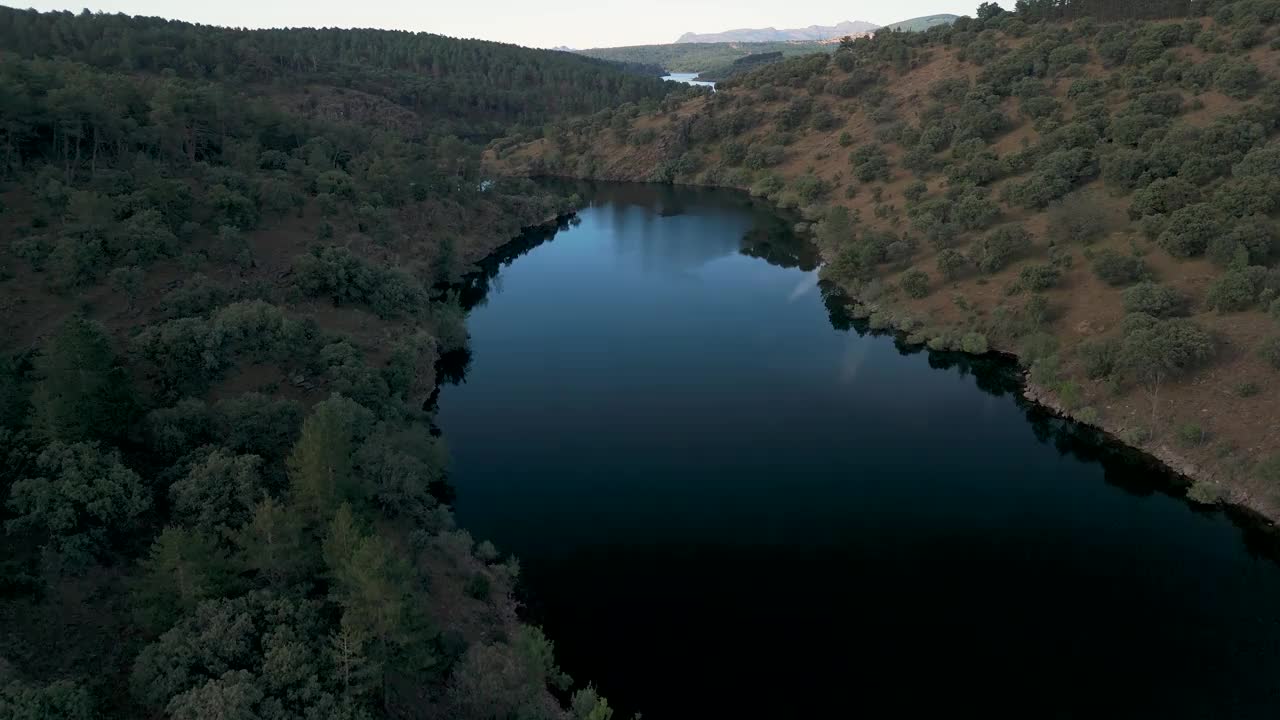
[(922, 23), (811, 33)]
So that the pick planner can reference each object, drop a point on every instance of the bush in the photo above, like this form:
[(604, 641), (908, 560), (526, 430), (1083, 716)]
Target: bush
[(1189, 230), (1247, 389), (915, 283), (1159, 301), (1076, 220), (870, 163), (994, 252), (974, 211), (1253, 238), (1038, 278), (1118, 270), (1270, 351), (974, 343), (1236, 290), (1099, 357), (951, 263), (339, 274), (1162, 196)]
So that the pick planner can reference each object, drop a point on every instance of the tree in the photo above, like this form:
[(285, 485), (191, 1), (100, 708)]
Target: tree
[(1118, 270), (915, 283), (1190, 229), (83, 498), (220, 492), (993, 252), (1154, 299), (272, 544), (183, 568), (1153, 351), (60, 699), (128, 282), (320, 465), (82, 393)]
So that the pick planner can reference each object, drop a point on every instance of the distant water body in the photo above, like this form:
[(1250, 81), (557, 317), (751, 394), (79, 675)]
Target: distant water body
[(689, 79), (730, 501)]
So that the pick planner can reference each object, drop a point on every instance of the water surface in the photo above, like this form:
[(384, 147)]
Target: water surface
[(688, 79), (729, 503)]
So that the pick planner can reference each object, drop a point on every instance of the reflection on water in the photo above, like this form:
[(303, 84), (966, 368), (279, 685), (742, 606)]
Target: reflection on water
[(730, 499), (688, 79)]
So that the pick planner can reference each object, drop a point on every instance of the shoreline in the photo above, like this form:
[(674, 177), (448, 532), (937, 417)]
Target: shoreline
[(1242, 506)]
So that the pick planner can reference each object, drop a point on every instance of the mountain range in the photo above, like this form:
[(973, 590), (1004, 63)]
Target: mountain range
[(813, 33)]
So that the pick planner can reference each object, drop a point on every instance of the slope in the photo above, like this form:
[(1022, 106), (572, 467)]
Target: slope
[(225, 268)]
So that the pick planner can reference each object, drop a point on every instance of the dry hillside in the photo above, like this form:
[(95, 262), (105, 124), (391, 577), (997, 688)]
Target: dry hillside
[(1096, 197)]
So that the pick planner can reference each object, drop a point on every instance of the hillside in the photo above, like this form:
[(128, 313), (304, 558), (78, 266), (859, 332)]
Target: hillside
[(226, 268), (701, 57), (1090, 190), (921, 24), (813, 33)]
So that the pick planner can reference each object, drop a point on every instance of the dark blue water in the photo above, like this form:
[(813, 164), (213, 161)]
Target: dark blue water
[(728, 503)]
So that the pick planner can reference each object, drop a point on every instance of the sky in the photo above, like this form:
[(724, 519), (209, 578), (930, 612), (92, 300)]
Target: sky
[(577, 24)]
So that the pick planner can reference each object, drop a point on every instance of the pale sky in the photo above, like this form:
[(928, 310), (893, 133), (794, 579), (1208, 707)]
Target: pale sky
[(536, 23)]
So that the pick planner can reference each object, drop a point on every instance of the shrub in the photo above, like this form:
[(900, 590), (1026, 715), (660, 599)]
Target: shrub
[(1189, 230), (1238, 79), (1254, 236), (1162, 196), (951, 263), (1159, 301), (1192, 434), (974, 211), (1247, 389), (915, 283), (1236, 290), (1038, 278), (995, 251), (1099, 357), (974, 343), (1076, 219), (1117, 269), (870, 163), (1153, 350), (1270, 351)]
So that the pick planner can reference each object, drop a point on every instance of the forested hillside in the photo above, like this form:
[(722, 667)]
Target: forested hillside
[(1090, 185), (224, 269), (472, 87)]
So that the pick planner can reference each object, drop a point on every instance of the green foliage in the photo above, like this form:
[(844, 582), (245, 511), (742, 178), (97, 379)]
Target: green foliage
[(80, 501), (870, 164), (220, 491), (1153, 350), (339, 274), (1270, 351), (999, 248), (974, 343), (951, 263), (81, 392), (1160, 301), (1189, 230), (60, 699), (1076, 219), (1118, 269), (183, 568), (1237, 290), (1038, 278), (1099, 357), (321, 463), (915, 283)]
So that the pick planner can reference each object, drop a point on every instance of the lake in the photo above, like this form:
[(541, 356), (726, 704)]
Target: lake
[(688, 79), (730, 501)]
